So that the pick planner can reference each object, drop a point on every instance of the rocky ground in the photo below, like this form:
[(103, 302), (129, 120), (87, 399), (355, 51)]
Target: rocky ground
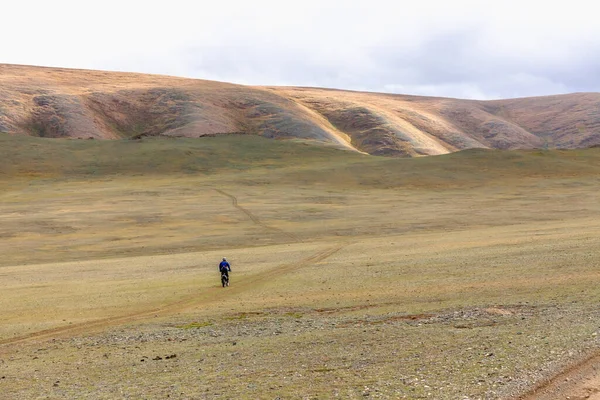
[(299, 353)]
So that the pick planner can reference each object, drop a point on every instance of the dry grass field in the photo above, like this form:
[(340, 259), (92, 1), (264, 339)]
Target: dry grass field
[(474, 275)]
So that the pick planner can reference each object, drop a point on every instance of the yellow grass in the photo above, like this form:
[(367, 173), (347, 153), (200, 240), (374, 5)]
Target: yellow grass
[(350, 278)]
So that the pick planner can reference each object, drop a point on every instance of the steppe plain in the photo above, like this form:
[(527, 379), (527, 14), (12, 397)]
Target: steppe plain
[(472, 275)]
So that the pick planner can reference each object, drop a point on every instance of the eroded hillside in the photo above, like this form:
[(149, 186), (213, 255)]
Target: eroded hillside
[(54, 102)]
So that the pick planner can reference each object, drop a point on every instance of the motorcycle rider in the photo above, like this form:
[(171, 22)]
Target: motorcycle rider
[(224, 267)]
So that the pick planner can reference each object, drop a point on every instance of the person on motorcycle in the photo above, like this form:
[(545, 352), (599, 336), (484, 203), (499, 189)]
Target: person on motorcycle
[(224, 267)]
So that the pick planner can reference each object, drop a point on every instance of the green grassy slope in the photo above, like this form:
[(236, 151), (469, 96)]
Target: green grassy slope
[(23, 156)]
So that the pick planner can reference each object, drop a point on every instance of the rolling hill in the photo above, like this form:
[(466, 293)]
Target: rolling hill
[(66, 103)]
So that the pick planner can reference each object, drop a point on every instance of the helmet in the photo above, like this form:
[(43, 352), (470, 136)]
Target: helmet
[(224, 259)]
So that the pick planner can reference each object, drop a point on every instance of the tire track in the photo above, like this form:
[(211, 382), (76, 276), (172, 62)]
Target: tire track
[(285, 269), (210, 295), (254, 218), (565, 382)]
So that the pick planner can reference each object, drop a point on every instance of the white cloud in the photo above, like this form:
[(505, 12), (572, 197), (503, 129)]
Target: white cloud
[(461, 48), (536, 84), (460, 90)]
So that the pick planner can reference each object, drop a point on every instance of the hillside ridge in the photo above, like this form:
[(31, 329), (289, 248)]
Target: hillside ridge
[(69, 103)]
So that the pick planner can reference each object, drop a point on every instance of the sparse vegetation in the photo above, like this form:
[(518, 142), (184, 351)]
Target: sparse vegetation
[(470, 275), (196, 325), (51, 102)]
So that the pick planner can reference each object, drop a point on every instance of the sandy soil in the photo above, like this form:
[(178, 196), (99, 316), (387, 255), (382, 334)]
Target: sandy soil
[(578, 381)]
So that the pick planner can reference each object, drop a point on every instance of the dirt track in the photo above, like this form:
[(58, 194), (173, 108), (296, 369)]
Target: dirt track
[(211, 296), (254, 218), (214, 294), (577, 382)]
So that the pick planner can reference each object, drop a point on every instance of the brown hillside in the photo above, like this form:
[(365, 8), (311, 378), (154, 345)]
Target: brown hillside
[(55, 102)]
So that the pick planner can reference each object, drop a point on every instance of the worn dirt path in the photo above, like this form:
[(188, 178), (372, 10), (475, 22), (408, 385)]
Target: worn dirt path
[(208, 296), (577, 382), (211, 295), (255, 219)]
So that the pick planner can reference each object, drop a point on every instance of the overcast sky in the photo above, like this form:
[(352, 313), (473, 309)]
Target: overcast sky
[(456, 48)]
